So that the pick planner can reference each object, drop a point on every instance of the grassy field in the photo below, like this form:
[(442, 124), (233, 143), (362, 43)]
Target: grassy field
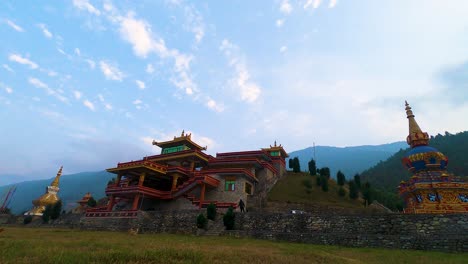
[(292, 189), (43, 245)]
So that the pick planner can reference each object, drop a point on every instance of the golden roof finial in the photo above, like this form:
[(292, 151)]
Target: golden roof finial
[(416, 137), (55, 183), (183, 131)]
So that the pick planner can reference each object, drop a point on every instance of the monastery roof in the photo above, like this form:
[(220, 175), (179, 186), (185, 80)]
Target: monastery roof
[(185, 139)]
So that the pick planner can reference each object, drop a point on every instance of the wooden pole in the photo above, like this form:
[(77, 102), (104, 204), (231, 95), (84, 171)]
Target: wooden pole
[(202, 194)]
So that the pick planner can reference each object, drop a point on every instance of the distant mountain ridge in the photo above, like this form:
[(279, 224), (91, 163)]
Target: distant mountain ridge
[(350, 160), (72, 188)]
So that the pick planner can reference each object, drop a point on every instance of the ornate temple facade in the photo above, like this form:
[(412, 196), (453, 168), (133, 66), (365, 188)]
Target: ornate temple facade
[(184, 177), (431, 189), (49, 198)]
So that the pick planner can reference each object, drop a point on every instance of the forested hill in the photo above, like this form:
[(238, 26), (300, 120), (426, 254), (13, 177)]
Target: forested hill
[(350, 160), (388, 174)]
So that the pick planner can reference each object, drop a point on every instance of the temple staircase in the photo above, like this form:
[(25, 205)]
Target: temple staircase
[(216, 227)]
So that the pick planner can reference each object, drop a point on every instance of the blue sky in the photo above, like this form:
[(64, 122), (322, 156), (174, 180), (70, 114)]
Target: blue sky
[(89, 83)]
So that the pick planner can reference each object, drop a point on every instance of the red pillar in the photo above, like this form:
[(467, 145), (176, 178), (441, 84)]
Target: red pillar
[(202, 195), (110, 204), (135, 202)]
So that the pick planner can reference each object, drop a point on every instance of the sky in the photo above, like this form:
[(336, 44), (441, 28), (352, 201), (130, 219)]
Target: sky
[(89, 83)]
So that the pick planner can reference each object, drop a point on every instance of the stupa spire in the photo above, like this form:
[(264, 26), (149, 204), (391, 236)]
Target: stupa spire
[(416, 136), (55, 183)]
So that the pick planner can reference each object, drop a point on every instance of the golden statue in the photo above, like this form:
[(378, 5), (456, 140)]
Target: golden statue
[(49, 198)]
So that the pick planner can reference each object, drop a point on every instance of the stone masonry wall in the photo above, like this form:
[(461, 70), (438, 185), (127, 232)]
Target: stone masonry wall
[(425, 232), (428, 232)]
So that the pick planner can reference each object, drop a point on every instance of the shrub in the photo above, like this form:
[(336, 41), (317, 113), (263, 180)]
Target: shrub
[(229, 219), (353, 190), (211, 211), (56, 210), (46, 214), (91, 202), (27, 219), (341, 192), (340, 178), (201, 221)]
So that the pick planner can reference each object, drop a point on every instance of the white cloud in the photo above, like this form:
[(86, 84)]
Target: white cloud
[(149, 68), (77, 95), (8, 90), (85, 5), (89, 105), (100, 97), (279, 22), (77, 51), (108, 106), (194, 22), (138, 33), (313, 3), (283, 49), (286, 7), (39, 84), (111, 72), (6, 67), (37, 99), (137, 102), (45, 31), (332, 3), (21, 60), (213, 105), (249, 90), (140, 84), (91, 63), (14, 26)]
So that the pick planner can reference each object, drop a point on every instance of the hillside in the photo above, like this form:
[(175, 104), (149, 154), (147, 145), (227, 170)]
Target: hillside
[(350, 160), (72, 188), (388, 174), (290, 190)]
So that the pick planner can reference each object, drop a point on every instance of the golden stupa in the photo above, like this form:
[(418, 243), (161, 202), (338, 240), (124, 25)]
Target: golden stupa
[(49, 198)]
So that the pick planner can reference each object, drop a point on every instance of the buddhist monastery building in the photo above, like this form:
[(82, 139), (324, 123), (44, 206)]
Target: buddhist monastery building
[(431, 189), (49, 198), (184, 177)]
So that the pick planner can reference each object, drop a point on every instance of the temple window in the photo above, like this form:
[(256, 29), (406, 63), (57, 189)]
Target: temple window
[(463, 197), (230, 184), (248, 188), (275, 153), (174, 149)]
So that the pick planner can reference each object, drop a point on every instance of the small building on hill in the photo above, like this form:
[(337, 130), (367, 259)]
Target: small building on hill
[(184, 177), (431, 189)]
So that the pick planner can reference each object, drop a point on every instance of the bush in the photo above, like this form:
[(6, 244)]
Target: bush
[(211, 211), (201, 221), (341, 192), (56, 210), (353, 190), (91, 202), (46, 214), (229, 219), (27, 219), (340, 178)]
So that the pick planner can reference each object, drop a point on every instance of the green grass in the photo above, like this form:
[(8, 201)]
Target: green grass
[(44, 245), (291, 189)]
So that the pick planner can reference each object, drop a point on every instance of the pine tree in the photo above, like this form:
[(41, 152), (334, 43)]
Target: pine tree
[(296, 165), (290, 163), (324, 183), (312, 167), (353, 190), (56, 210), (367, 194), (325, 171), (340, 178), (357, 180)]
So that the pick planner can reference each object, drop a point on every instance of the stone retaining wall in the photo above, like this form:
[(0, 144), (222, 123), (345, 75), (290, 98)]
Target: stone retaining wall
[(426, 232)]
